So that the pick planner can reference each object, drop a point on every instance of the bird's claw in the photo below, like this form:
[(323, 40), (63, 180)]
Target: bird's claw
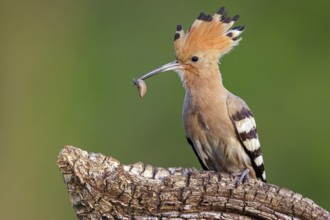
[(242, 177)]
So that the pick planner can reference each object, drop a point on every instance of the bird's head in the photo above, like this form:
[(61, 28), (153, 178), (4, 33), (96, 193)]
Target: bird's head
[(199, 49)]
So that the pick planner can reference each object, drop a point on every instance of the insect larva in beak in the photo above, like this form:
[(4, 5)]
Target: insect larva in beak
[(142, 87)]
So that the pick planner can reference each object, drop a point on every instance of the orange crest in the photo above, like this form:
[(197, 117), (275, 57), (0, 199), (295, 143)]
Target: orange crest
[(208, 33)]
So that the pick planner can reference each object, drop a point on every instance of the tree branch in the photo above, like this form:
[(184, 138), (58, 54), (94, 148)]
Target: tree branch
[(102, 188)]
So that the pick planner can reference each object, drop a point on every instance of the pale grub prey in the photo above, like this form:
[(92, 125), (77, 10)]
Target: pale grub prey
[(142, 87)]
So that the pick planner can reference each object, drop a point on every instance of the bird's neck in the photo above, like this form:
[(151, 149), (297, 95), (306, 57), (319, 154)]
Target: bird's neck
[(203, 86)]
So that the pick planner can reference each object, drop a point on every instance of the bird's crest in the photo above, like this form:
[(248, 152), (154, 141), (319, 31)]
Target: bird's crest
[(209, 33)]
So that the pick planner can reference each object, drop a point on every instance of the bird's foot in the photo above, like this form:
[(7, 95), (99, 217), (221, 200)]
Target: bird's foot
[(242, 177)]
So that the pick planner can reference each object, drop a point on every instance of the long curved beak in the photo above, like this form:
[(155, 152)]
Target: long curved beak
[(169, 66)]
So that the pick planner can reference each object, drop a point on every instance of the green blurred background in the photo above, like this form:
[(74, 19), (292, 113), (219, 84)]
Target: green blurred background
[(65, 78)]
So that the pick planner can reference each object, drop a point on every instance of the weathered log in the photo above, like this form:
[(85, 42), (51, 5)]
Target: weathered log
[(101, 187)]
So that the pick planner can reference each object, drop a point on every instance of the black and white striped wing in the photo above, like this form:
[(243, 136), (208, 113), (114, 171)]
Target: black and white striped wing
[(245, 125)]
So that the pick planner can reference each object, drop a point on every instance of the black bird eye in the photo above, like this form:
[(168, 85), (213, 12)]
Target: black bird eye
[(194, 59)]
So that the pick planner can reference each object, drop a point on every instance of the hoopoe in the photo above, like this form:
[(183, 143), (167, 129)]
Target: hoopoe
[(219, 125)]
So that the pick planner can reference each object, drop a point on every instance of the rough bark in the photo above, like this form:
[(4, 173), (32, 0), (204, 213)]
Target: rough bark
[(101, 187)]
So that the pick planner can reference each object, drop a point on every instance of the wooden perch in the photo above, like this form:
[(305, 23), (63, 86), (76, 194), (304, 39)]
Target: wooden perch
[(101, 187)]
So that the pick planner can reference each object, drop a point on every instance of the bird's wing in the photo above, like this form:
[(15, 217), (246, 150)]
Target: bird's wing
[(246, 130), (199, 159)]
